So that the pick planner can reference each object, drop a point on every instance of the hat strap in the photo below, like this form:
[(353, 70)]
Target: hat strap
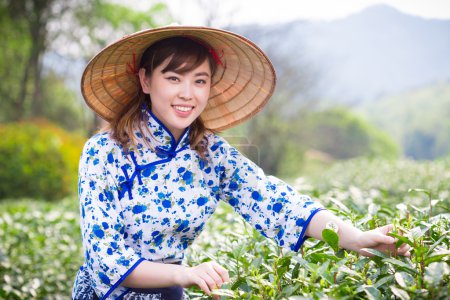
[(132, 67)]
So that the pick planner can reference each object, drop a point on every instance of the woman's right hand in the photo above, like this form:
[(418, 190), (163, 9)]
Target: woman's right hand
[(207, 276)]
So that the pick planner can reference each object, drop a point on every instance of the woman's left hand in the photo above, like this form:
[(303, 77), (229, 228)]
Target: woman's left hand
[(379, 240)]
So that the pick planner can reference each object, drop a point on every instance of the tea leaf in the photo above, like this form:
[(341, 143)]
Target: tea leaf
[(374, 252), (437, 256), (400, 293), (401, 239), (224, 292), (331, 238), (372, 293), (400, 264), (403, 279), (383, 281)]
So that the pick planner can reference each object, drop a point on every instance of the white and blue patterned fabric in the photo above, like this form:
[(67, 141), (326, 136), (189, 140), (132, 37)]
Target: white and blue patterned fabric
[(151, 203)]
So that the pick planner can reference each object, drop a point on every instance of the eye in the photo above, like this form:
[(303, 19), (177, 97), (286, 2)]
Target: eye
[(201, 81), (173, 78)]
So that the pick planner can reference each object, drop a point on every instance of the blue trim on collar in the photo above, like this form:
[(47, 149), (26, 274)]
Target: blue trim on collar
[(173, 145)]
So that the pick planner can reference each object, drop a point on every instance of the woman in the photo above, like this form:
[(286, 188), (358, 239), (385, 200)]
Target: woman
[(148, 184)]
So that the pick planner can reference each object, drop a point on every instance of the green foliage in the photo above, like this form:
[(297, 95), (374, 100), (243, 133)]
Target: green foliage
[(261, 270), (30, 29), (40, 251), (41, 247), (37, 159), (417, 119), (377, 179), (15, 46), (61, 105), (284, 142), (343, 135)]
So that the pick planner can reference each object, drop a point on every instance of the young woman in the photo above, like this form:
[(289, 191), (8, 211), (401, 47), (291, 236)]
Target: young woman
[(148, 184)]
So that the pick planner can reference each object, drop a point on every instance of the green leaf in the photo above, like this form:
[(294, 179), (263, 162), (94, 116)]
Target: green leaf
[(403, 295), (383, 281), (418, 232), (374, 252), (400, 264), (401, 239), (426, 192), (331, 238), (372, 293), (437, 256), (239, 281), (403, 279), (224, 292)]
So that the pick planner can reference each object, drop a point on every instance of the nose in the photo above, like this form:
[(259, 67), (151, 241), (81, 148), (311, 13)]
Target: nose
[(186, 91)]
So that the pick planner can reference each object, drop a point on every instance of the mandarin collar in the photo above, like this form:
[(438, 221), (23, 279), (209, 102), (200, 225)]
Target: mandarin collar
[(161, 135)]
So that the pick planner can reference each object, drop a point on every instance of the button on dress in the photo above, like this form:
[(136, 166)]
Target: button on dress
[(151, 202)]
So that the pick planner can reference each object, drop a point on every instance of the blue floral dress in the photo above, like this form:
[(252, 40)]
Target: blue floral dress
[(151, 203)]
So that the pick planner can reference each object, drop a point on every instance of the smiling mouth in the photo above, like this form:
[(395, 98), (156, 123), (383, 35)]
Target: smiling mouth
[(183, 108)]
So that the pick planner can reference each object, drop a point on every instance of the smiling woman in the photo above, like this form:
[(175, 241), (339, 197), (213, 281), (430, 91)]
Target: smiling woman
[(151, 180)]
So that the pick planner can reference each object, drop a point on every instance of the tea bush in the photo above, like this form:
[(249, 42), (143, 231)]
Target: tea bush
[(41, 246), (261, 270), (38, 160), (40, 251)]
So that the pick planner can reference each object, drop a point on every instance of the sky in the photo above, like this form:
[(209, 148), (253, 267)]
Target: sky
[(263, 12)]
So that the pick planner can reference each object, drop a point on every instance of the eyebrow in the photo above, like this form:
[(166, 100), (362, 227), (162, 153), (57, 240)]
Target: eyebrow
[(202, 74)]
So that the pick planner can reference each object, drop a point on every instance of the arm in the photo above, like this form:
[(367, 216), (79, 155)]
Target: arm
[(351, 238), (207, 276)]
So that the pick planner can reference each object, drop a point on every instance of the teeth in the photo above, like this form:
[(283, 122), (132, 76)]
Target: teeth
[(183, 108)]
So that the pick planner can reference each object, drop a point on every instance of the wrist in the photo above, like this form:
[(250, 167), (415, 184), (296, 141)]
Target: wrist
[(350, 238), (179, 274), (354, 243)]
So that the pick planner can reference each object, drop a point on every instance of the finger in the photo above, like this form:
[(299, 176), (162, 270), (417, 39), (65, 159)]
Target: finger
[(386, 228), (223, 273), (215, 276), (203, 285), (383, 238), (209, 281), (404, 250)]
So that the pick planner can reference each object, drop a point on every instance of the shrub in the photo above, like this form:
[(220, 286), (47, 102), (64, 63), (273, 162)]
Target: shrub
[(41, 250), (37, 159)]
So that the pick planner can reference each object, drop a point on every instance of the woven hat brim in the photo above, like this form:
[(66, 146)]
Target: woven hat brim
[(239, 90)]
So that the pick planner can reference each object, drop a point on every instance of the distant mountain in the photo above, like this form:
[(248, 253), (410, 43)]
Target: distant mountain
[(379, 51)]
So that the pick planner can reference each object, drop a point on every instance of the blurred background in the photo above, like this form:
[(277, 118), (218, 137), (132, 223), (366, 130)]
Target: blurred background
[(360, 115), (355, 79)]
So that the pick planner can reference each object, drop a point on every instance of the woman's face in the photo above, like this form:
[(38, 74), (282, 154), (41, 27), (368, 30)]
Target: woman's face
[(177, 99)]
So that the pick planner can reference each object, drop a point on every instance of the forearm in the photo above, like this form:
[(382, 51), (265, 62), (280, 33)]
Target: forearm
[(153, 275), (348, 234)]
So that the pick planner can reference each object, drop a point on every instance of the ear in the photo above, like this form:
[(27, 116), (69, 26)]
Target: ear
[(144, 81)]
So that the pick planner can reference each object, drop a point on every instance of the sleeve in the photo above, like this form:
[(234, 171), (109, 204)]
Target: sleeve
[(108, 259), (270, 205)]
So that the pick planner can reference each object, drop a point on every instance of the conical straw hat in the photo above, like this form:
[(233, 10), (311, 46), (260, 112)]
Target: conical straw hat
[(240, 87)]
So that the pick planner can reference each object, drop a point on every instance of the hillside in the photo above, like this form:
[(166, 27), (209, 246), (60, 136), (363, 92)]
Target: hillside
[(418, 119)]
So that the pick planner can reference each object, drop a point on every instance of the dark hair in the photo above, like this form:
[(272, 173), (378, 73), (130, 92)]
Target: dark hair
[(180, 50), (185, 54)]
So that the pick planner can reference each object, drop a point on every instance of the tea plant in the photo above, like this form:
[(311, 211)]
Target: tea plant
[(40, 251), (261, 270)]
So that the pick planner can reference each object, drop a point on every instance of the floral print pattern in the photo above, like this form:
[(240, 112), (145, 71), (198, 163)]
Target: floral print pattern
[(151, 203)]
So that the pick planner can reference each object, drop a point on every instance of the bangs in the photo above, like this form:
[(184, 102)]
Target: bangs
[(184, 62), (184, 54)]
